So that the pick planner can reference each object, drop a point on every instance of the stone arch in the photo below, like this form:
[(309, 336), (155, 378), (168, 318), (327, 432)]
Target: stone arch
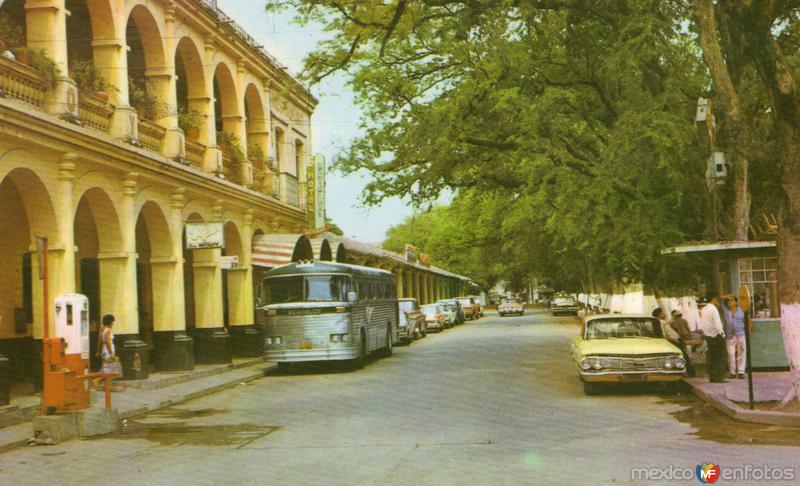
[(147, 75), (233, 239), (325, 251), (26, 211), (191, 92), (256, 124), (154, 250), (98, 244), (88, 21), (226, 102)]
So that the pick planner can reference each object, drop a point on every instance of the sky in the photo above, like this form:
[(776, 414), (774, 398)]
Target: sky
[(334, 124)]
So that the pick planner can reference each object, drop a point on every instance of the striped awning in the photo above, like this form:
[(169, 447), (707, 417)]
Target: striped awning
[(280, 249)]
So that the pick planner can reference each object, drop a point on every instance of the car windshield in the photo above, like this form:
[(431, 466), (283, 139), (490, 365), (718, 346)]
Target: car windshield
[(430, 308), (563, 300), (508, 301), (312, 288), (465, 301), (629, 327), (407, 305)]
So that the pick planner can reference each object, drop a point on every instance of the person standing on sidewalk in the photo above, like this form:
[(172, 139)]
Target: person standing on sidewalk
[(680, 326), (734, 338), (711, 325), (106, 348)]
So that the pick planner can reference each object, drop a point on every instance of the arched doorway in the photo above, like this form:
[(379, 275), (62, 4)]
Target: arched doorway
[(153, 271), (98, 241), (26, 211)]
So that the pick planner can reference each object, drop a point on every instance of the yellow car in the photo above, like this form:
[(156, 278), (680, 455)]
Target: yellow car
[(625, 348)]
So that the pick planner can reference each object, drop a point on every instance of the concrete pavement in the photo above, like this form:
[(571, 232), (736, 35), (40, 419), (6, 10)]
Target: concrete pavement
[(496, 401)]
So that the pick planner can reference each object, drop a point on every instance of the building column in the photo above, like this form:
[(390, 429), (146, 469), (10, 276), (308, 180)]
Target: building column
[(173, 348), (46, 29), (211, 338), (240, 126), (398, 276), (119, 291), (213, 157), (247, 339), (164, 79)]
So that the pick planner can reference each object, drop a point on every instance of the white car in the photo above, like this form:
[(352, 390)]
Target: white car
[(510, 307)]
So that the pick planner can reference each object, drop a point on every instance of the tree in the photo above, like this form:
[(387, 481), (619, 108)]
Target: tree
[(571, 119), (762, 36)]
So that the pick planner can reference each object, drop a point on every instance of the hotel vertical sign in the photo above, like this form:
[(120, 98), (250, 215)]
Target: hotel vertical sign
[(316, 192)]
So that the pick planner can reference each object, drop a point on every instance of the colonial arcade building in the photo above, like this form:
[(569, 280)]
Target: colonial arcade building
[(124, 123)]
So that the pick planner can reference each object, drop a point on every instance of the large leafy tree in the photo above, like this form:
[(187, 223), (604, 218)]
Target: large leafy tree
[(566, 125)]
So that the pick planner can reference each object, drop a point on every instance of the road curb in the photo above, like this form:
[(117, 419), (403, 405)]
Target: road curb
[(736, 412)]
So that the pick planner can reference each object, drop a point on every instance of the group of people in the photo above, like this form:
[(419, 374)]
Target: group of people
[(722, 332)]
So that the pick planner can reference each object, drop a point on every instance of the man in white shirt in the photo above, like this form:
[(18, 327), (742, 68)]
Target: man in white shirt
[(711, 325)]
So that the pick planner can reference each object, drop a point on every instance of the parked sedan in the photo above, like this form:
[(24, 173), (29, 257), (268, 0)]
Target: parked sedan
[(435, 317), (510, 307), (564, 305), (471, 309), (625, 348), (454, 306), (411, 324)]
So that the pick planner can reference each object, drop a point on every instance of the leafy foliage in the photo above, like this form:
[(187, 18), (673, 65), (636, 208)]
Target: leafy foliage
[(564, 128)]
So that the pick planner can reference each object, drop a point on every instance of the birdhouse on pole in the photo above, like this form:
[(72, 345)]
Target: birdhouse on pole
[(705, 122)]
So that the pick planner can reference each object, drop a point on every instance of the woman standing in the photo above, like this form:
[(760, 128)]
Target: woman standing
[(105, 346)]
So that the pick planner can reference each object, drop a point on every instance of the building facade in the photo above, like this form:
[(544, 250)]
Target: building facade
[(121, 122)]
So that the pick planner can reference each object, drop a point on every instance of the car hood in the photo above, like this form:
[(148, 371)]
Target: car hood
[(627, 346)]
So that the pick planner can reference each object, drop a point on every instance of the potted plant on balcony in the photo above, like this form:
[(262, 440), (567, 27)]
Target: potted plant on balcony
[(144, 100), (89, 79), (255, 153), (189, 121), (231, 149), (38, 60)]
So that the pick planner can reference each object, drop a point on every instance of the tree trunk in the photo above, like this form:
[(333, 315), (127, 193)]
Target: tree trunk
[(736, 132), (789, 249)]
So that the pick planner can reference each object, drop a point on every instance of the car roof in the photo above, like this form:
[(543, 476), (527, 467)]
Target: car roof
[(595, 317)]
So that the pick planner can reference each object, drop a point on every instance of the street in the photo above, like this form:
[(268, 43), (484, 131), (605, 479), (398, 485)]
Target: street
[(495, 401)]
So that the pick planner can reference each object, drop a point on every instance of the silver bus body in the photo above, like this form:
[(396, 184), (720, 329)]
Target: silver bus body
[(331, 330)]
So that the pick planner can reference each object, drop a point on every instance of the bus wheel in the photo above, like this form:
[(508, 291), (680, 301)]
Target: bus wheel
[(388, 350), (358, 363)]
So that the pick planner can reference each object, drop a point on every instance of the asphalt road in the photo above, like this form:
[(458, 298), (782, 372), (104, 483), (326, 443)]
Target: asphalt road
[(491, 402)]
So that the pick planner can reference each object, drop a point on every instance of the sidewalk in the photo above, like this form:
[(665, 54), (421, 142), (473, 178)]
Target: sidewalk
[(158, 391), (731, 398)]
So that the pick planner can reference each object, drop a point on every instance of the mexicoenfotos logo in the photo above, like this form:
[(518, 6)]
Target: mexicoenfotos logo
[(707, 473)]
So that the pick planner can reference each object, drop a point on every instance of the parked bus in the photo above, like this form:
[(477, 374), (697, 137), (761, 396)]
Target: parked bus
[(323, 311)]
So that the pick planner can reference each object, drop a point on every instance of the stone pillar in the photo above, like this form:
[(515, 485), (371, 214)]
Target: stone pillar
[(110, 56), (173, 145), (64, 220), (173, 349), (46, 29), (240, 128), (398, 276), (119, 289), (213, 158), (211, 338), (247, 339)]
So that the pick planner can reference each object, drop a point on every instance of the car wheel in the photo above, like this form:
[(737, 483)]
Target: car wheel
[(590, 389), (358, 362)]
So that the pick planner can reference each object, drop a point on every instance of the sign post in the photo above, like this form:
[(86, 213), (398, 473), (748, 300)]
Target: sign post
[(41, 253), (744, 303)]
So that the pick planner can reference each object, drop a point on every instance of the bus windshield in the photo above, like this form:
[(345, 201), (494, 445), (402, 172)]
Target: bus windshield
[(302, 288)]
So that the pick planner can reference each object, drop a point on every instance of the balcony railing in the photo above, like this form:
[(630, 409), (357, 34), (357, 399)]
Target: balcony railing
[(150, 135), (195, 151), (94, 112), (21, 82)]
